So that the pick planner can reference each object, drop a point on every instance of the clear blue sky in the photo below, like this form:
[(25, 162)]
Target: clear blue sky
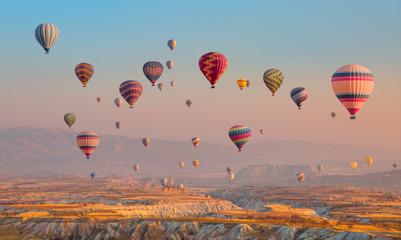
[(307, 40)]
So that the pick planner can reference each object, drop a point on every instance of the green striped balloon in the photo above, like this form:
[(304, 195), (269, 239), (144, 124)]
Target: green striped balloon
[(69, 119), (273, 79)]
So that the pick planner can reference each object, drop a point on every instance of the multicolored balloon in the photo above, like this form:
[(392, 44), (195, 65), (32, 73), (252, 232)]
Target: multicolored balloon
[(213, 65), (333, 115), (93, 175), (241, 83), (273, 78), (239, 134), (248, 83), (195, 163), (195, 141), (99, 99), (300, 177), (118, 102), (354, 165), (170, 182), (299, 95), (152, 70), (169, 64), (319, 168), (131, 91), (46, 34), (369, 161), (231, 176), (87, 142), (118, 125), (160, 86), (171, 44), (69, 119), (229, 169), (262, 131), (189, 103), (395, 165), (181, 164), (172, 83), (145, 141), (352, 85), (136, 167), (84, 72)]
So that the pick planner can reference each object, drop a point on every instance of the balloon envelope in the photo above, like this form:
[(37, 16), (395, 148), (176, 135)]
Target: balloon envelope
[(69, 119), (172, 83), (299, 95), (262, 131), (131, 91), (300, 177), (241, 83), (118, 125), (354, 165), (369, 161), (189, 103), (170, 182), (169, 64), (152, 70), (171, 44), (213, 65), (231, 176), (118, 102), (195, 141), (195, 163), (160, 86), (229, 169), (239, 134), (163, 181), (145, 141), (181, 186), (395, 165), (273, 78), (136, 167), (99, 99), (333, 115), (87, 142), (84, 72), (352, 85), (46, 34), (181, 164), (93, 175), (248, 83)]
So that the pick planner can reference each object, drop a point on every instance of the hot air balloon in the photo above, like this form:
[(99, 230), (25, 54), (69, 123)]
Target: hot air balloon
[(69, 119), (160, 86), (169, 64), (352, 85), (181, 186), (231, 177), (273, 78), (262, 131), (369, 161), (189, 103), (195, 141), (248, 83), (136, 167), (131, 91), (241, 83), (84, 72), (354, 165), (152, 70), (299, 95), (87, 142), (395, 165), (213, 65), (333, 115), (93, 175), (170, 182), (118, 102), (118, 125), (46, 34), (319, 168), (163, 181), (181, 164), (195, 163), (145, 141), (229, 169), (171, 44), (172, 83), (239, 134), (300, 177), (99, 99)]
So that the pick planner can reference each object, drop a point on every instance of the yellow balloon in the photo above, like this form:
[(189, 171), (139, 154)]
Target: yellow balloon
[(354, 165), (241, 83), (368, 161)]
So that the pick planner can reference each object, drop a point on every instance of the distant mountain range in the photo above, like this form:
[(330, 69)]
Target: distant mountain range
[(24, 149)]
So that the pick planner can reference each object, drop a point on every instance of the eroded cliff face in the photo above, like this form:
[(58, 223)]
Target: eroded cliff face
[(150, 230)]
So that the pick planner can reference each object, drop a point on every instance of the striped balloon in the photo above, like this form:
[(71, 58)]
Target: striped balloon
[(273, 79), (118, 102), (46, 34), (195, 163), (299, 95), (87, 142), (169, 64), (352, 85), (239, 134), (69, 119), (153, 70), (213, 65), (241, 83), (195, 141), (171, 44), (300, 177), (131, 91), (84, 72)]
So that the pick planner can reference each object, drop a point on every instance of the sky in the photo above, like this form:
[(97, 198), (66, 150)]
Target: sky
[(306, 40)]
